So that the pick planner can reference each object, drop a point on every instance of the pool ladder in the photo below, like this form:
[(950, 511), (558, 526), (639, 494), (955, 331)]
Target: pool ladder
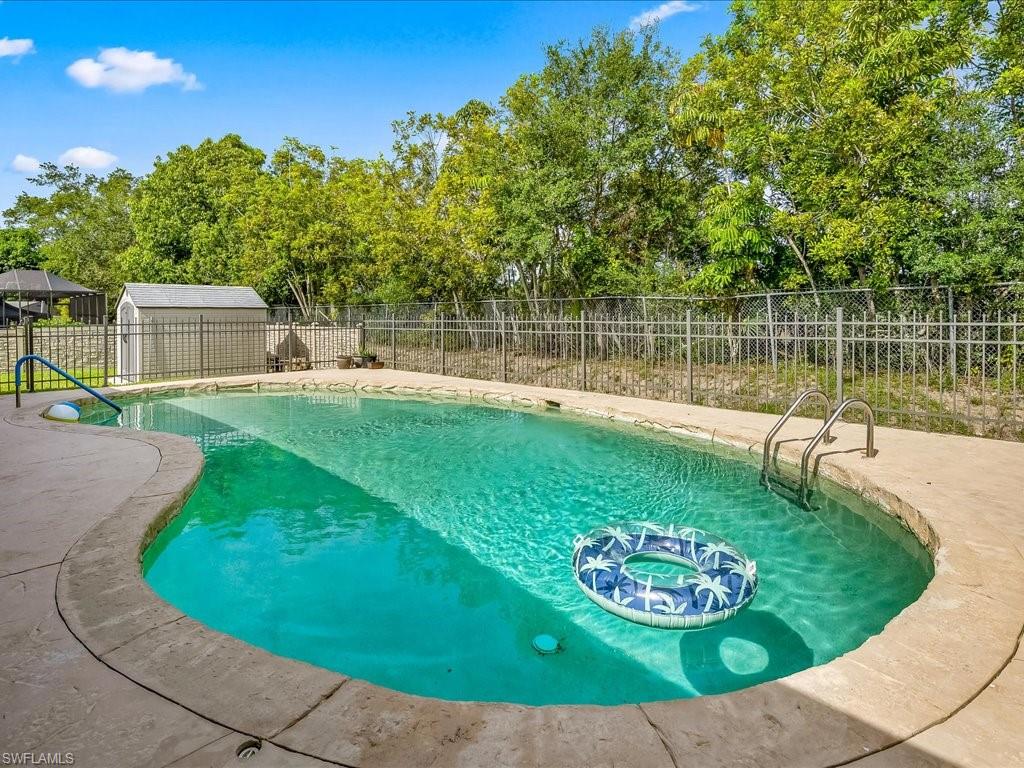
[(802, 490)]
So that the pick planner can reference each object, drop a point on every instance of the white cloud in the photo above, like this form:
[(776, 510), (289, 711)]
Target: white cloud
[(16, 47), (87, 157), (662, 12), (130, 71), (25, 164)]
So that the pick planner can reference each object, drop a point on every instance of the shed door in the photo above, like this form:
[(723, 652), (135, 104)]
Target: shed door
[(126, 340)]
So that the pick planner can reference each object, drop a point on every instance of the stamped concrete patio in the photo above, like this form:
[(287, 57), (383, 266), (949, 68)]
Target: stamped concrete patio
[(95, 664)]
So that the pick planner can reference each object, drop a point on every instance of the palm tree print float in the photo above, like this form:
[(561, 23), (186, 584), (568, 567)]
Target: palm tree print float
[(725, 580)]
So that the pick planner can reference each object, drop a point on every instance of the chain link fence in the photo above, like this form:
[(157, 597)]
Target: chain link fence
[(908, 302)]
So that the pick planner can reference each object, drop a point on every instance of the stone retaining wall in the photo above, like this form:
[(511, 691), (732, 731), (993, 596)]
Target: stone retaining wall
[(74, 347)]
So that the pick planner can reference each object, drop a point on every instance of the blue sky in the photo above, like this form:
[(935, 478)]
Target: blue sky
[(88, 81)]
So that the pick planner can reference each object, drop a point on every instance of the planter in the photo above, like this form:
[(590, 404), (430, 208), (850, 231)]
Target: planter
[(375, 365), (344, 361), (363, 361)]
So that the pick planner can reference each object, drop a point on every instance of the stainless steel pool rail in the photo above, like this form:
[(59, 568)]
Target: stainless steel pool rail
[(869, 449), (797, 402), (60, 371)]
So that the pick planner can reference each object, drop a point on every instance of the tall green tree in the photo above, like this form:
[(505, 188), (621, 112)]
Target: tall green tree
[(833, 109), (1001, 74), (83, 225), (19, 248), (293, 236), (185, 212), (595, 197), (446, 168)]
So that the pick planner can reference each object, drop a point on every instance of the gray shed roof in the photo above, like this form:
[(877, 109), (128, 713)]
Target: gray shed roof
[(194, 296)]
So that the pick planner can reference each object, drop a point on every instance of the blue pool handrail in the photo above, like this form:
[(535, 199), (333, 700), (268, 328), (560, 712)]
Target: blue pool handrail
[(25, 358)]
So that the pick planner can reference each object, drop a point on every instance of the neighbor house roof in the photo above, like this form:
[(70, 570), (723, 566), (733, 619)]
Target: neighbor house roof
[(40, 284), (194, 296)]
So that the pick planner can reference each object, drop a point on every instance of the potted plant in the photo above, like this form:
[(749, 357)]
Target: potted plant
[(364, 357), (344, 361)]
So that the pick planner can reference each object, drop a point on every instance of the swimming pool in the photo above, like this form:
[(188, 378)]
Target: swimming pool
[(421, 546)]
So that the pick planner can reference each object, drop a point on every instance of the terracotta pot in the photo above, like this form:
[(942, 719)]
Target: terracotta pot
[(344, 361), (375, 365)]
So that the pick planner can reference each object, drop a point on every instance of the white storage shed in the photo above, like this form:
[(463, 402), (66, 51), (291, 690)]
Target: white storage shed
[(176, 331)]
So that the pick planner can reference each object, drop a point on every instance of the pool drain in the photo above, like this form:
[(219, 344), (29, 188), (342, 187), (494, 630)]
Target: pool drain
[(248, 749), (545, 644)]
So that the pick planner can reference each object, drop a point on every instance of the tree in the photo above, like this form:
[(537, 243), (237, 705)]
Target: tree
[(1001, 63), (595, 197), (83, 225), (446, 168), (185, 211), (19, 248), (963, 238), (1001, 75), (833, 109), (292, 234)]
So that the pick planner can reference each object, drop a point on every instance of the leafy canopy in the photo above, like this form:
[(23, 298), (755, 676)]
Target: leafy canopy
[(813, 144)]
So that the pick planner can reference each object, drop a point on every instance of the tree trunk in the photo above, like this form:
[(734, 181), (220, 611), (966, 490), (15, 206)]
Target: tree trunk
[(473, 337), (807, 270), (862, 276), (526, 287), (300, 295)]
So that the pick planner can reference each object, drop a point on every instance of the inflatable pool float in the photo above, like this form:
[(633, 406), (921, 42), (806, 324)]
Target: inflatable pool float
[(63, 412), (723, 582)]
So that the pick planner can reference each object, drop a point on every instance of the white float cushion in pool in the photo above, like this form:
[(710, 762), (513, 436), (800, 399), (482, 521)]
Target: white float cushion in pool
[(63, 412)]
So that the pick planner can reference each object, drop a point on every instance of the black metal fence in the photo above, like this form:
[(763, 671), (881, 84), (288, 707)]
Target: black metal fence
[(86, 351), (960, 375), (108, 354), (940, 371)]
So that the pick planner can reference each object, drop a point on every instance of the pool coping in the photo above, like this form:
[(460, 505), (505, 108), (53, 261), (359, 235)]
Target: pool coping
[(867, 700)]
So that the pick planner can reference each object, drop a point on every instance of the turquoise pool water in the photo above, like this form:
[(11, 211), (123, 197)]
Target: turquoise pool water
[(421, 546)]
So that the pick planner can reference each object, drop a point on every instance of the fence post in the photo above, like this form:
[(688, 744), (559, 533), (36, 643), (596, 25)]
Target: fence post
[(106, 350), (504, 351), (648, 338), (394, 341), (141, 348), (202, 349), (442, 346), (689, 355), (312, 333), (839, 355), (771, 335), (583, 349), (30, 349), (952, 335), (291, 341)]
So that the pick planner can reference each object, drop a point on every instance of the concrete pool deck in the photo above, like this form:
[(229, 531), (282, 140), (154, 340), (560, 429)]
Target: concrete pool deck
[(96, 664)]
